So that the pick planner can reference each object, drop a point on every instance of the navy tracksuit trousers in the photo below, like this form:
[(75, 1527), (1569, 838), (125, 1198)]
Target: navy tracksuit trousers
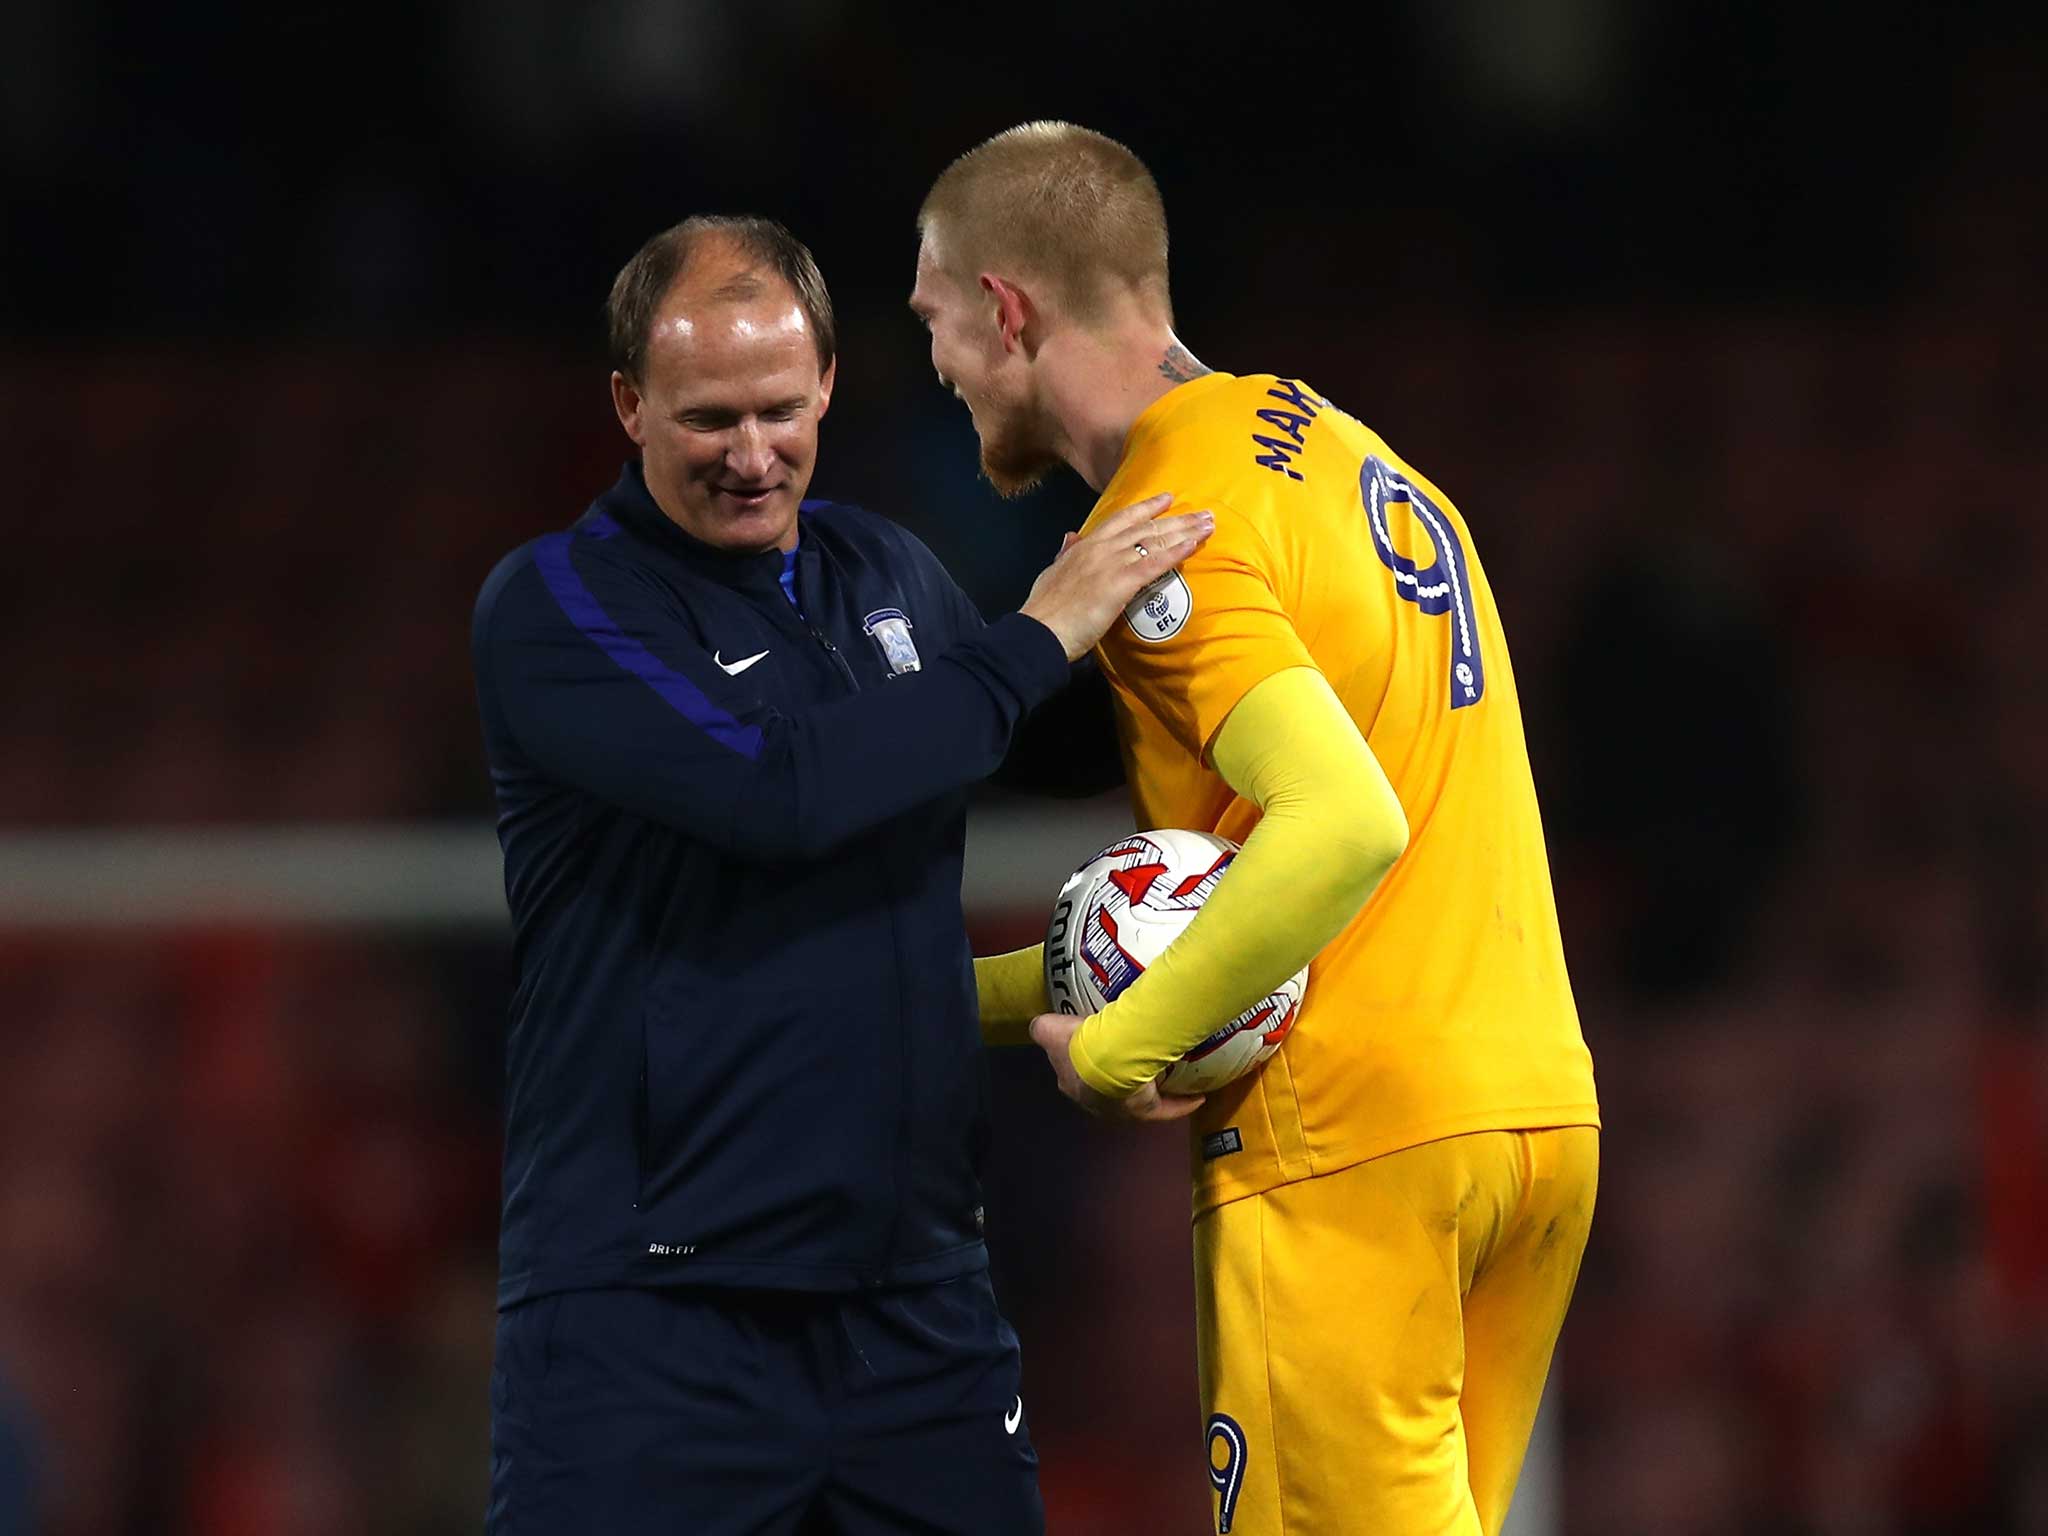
[(709, 1412)]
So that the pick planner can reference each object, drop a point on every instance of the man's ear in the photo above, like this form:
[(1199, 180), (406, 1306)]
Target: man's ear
[(1013, 310), (825, 387), (626, 401)]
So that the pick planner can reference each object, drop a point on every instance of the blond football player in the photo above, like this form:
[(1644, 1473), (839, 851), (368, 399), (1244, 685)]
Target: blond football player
[(1389, 1215)]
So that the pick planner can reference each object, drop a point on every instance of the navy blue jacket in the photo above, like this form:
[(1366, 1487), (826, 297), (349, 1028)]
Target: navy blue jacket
[(743, 1048)]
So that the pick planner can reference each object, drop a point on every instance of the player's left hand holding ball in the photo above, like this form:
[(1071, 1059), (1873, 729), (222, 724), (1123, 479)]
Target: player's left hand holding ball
[(1054, 1033)]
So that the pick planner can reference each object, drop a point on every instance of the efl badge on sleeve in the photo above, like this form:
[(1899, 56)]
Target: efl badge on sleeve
[(891, 629), (1158, 612)]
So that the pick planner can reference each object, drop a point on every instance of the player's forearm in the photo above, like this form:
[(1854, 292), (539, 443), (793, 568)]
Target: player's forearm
[(1330, 828), (1011, 991)]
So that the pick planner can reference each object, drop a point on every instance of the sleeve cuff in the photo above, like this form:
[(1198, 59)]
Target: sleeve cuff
[(1087, 1066), (1030, 656)]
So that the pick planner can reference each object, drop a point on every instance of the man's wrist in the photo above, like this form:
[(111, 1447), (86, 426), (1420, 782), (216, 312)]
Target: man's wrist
[(1033, 653), (1046, 625)]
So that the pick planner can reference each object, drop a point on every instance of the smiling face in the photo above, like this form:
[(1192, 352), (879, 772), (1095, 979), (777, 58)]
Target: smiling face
[(992, 377), (727, 413)]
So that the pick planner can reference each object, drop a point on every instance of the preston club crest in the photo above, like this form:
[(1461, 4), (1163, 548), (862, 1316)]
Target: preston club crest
[(890, 628)]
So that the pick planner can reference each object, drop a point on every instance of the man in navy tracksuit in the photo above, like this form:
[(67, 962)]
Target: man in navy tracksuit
[(743, 1287)]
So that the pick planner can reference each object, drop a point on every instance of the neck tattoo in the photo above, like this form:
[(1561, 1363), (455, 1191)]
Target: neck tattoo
[(1180, 364)]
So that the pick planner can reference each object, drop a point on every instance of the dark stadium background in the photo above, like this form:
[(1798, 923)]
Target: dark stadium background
[(1724, 325)]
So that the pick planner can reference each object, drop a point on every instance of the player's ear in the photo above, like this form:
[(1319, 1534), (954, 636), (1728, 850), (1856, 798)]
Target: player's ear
[(825, 387), (1012, 310), (626, 400)]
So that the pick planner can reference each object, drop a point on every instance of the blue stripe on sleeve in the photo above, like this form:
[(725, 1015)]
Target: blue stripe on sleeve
[(551, 554)]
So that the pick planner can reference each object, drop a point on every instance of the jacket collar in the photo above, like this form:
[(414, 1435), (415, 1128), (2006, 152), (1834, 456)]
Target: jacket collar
[(633, 506)]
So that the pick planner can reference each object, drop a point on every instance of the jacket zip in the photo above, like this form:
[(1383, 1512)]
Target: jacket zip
[(893, 1231), (838, 656)]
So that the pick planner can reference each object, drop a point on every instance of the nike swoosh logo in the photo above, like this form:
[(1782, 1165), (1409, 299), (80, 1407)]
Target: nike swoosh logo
[(1013, 1418), (735, 668)]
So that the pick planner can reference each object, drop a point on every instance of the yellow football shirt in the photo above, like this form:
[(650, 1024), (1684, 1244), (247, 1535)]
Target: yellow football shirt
[(1444, 1006)]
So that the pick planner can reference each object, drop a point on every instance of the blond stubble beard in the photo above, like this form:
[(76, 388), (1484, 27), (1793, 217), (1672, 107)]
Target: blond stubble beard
[(1018, 456)]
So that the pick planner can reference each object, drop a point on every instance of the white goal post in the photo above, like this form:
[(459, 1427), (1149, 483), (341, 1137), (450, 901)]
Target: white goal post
[(426, 876)]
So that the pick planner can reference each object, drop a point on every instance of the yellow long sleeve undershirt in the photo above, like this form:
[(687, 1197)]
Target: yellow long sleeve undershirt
[(1330, 828), (1012, 991)]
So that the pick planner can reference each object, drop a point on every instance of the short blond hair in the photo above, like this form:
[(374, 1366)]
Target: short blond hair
[(1060, 203)]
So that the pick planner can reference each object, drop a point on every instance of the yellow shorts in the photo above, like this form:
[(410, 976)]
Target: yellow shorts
[(1373, 1342)]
